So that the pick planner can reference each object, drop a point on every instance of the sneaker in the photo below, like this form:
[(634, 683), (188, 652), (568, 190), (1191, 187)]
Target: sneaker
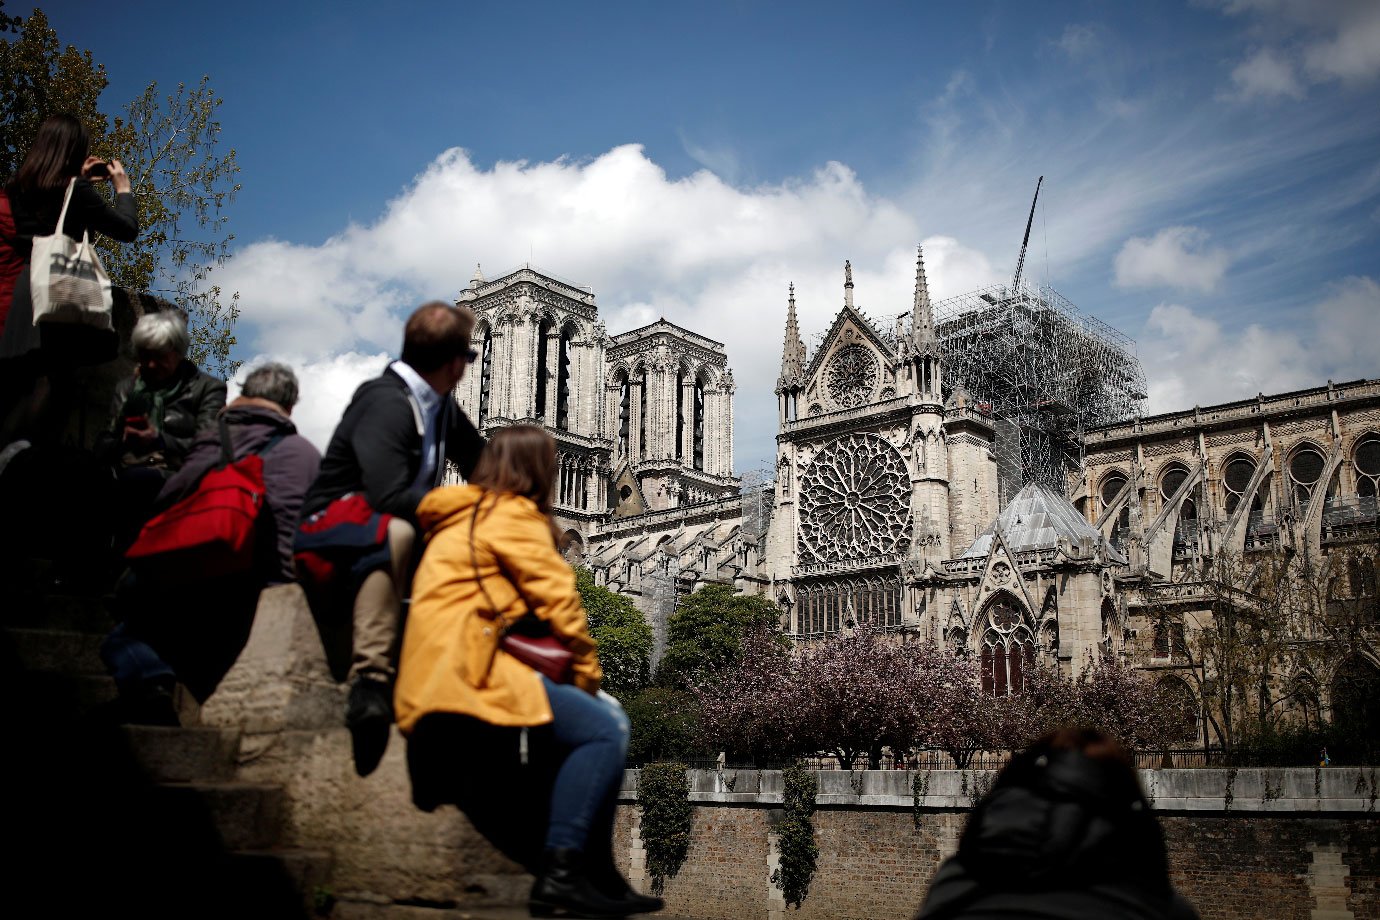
[(368, 715)]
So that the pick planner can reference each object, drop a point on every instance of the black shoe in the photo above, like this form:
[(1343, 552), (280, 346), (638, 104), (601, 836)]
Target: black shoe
[(564, 890), (368, 714), (611, 884)]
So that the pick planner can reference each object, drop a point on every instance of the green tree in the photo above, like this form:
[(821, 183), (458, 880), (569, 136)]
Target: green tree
[(665, 725), (625, 639), (39, 77), (707, 630), (170, 146)]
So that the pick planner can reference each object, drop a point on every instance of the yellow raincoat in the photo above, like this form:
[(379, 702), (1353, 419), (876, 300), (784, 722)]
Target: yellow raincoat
[(450, 658)]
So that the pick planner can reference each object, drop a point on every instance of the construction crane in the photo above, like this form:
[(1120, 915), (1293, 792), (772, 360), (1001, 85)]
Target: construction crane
[(1020, 263)]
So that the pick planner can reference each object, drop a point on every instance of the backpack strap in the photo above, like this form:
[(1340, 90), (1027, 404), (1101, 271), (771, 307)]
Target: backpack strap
[(227, 453)]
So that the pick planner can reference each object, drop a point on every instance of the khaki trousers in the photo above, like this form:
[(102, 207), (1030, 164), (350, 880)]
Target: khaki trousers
[(378, 607)]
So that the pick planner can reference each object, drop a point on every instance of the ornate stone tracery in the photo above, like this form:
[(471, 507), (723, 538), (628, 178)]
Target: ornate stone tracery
[(854, 501), (852, 375)]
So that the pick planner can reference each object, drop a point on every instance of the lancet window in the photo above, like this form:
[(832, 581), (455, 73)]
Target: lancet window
[(563, 379), (543, 365), (1305, 469), (825, 606), (624, 398), (1008, 648), (486, 367), (1236, 477), (699, 423)]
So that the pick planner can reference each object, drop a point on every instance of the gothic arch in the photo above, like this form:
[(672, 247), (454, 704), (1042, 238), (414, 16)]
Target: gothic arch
[(1007, 647), (1305, 462), (1181, 709)]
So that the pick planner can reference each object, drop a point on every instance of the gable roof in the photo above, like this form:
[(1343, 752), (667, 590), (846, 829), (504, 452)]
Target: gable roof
[(863, 323), (1039, 518)]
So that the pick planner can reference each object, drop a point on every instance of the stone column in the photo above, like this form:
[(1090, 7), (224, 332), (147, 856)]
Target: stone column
[(635, 420), (687, 434), (553, 370)]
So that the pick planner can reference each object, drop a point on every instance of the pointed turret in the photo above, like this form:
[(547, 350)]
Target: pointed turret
[(793, 348), (922, 338), (477, 278), (792, 361), (924, 343)]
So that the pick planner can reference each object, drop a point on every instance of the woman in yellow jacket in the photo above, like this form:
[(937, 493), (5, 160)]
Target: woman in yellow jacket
[(491, 560)]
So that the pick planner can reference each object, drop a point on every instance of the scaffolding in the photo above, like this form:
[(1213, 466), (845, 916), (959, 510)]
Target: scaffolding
[(1046, 372)]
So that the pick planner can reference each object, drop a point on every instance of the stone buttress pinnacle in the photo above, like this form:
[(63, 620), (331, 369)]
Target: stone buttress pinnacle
[(923, 339), (793, 348)]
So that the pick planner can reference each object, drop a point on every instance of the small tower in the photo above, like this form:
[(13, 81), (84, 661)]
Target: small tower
[(924, 344), (789, 384)]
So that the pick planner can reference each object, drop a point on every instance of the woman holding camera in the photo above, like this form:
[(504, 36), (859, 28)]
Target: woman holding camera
[(33, 199)]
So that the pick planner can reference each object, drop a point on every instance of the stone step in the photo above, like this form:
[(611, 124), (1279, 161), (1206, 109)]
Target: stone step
[(72, 695), (181, 755), (249, 816), (305, 872), (57, 650), (71, 612)]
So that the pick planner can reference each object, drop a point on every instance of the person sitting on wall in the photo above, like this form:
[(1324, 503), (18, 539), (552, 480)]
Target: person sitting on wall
[(357, 539), (192, 632), (159, 412), (1065, 833)]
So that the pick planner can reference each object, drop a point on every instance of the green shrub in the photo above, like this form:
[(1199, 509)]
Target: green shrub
[(796, 835), (663, 797)]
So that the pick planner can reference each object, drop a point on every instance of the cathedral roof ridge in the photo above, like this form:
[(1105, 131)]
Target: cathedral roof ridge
[(652, 327), (576, 291), (1039, 518)]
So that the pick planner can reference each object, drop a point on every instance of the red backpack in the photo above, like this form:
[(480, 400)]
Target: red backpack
[(11, 264), (210, 532)]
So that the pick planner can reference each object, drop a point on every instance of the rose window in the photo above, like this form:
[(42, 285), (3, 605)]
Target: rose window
[(852, 375), (854, 501)]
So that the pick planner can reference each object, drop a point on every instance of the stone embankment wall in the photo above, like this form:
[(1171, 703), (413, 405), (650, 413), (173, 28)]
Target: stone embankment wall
[(1257, 843), (1296, 843)]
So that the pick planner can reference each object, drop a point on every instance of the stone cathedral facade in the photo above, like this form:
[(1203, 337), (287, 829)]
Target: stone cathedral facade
[(885, 510), (643, 423)]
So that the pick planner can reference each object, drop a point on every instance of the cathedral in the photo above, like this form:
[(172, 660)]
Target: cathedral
[(976, 472)]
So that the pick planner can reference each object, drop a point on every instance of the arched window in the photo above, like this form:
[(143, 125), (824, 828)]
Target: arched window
[(1356, 698), (642, 413), (563, 379), (1008, 648), (699, 423), (1170, 481), (1367, 463), (543, 364), (624, 397), (1236, 477), (680, 413), (1108, 616), (486, 367), (1305, 469)]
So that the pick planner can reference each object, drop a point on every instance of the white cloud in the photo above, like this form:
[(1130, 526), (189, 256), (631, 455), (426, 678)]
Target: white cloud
[(1191, 359), (1317, 41), (707, 255), (325, 386), (1175, 257), (1266, 74)]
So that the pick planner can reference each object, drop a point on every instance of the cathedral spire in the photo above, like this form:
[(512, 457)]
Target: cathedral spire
[(847, 283), (793, 349), (922, 335)]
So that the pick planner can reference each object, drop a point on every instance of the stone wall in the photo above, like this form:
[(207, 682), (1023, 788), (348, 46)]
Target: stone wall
[(1259, 843)]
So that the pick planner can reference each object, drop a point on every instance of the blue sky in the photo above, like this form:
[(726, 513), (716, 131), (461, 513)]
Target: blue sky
[(1212, 168)]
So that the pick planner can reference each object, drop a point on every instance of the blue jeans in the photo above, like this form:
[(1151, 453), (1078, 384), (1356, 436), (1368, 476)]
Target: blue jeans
[(592, 732), (133, 662)]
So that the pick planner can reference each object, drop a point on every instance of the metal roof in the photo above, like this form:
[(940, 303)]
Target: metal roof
[(1038, 518)]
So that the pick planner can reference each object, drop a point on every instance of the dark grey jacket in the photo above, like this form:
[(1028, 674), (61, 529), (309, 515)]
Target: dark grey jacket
[(194, 408), (289, 468)]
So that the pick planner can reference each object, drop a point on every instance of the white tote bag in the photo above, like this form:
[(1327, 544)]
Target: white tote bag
[(67, 281)]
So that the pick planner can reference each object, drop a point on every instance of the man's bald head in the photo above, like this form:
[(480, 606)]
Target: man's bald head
[(436, 334)]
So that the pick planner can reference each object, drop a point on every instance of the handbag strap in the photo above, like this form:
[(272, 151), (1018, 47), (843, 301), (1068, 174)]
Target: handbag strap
[(66, 200)]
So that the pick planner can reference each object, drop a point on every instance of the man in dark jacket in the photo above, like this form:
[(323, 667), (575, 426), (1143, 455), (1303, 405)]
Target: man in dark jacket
[(160, 639), (1066, 833), (358, 534)]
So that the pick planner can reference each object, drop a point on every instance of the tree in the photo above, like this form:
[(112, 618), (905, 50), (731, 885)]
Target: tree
[(170, 147), (625, 639), (752, 707), (665, 725), (707, 630), (181, 181), (38, 77)]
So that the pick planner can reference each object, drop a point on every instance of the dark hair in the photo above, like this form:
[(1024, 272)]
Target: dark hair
[(436, 334), (58, 152), (520, 460)]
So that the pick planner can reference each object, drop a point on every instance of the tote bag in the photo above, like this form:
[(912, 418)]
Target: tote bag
[(67, 281)]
